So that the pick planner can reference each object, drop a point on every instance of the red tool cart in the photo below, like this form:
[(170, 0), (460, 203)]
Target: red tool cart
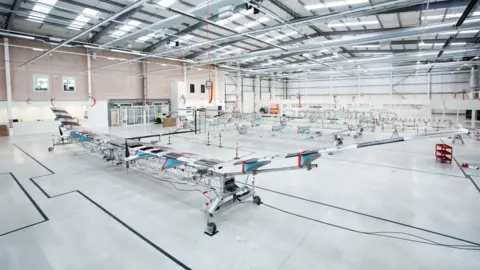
[(443, 152)]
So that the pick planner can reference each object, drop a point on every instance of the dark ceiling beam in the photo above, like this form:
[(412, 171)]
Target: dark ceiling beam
[(187, 30), (471, 7), (288, 10), (285, 8), (11, 16), (111, 26), (431, 6)]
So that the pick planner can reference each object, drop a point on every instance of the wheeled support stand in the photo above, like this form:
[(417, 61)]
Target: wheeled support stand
[(59, 140), (232, 194), (457, 137)]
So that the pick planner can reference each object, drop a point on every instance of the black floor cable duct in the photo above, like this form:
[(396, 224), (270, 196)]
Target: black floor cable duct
[(471, 243), (148, 241), (380, 234)]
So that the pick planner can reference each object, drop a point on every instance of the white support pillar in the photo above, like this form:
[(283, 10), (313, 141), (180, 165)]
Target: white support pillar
[(330, 88), (238, 92), (215, 96), (358, 91), (185, 80), (391, 90), (306, 86), (9, 85), (458, 112), (89, 76)]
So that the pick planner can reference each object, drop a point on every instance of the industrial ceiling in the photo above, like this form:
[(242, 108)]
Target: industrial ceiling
[(266, 38)]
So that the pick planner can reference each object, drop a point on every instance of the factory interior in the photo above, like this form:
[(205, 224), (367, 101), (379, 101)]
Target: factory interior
[(239, 134)]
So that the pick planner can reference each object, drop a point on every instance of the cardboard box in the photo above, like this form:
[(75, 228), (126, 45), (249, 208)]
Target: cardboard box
[(4, 130), (169, 122)]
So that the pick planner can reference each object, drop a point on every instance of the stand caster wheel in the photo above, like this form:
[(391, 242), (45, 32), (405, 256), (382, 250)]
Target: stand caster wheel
[(211, 228), (257, 200), (50, 149)]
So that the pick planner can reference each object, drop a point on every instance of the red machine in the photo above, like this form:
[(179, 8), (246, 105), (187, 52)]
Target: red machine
[(443, 152)]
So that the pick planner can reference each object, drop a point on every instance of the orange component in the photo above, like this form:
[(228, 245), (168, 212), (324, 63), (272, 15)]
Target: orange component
[(94, 101), (211, 92)]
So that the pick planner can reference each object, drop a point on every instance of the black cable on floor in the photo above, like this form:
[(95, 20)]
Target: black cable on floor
[(380, 234), (362, 214)]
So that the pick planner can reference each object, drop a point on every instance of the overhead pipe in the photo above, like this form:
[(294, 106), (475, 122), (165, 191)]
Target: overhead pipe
[(175, 20), (365, 60), (113, 17), (387, 35), (339, 15)]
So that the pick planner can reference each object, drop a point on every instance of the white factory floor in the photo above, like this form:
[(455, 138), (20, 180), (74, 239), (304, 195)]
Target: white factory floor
[(59, 211)]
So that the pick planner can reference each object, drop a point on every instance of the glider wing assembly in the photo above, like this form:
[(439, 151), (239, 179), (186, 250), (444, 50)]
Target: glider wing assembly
[(214, 179), (67, 123)]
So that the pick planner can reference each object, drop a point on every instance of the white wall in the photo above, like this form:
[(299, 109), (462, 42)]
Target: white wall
[(368, 92), (40, 110)]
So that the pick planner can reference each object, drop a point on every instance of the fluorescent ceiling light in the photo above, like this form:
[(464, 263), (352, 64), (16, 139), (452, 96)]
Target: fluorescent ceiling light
[(166, 3), (91, 12), (117, 33), (448, 16), (251, 24), (17, 36), (367, 46), (37, 16), (34, 20), (90, 47), (240, 28), (37, 49), (336, 4), (41, 9), (126, 28), (352, 23), (48, 2), (134, 22), (246, 12), (82, 18), (119, 51), (74, 28), (145, 38), (474, 31), (458, 43), (111, 58), (263, 19), (222, 22)]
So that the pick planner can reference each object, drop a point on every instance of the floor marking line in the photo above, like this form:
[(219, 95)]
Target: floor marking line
[(125, 225), (40, 211), (45, 167), (370, 216), (23, 228)]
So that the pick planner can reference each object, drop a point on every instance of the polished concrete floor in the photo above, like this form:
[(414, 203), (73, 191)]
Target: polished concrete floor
[(60, 211)]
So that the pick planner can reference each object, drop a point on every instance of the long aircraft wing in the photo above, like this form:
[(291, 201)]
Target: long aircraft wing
[(305, 158)]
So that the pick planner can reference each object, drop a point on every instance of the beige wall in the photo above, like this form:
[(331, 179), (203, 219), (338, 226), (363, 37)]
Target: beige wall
[(121, 81), (56, 65)]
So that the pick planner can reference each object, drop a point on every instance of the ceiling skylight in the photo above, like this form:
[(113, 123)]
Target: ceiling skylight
[(40, 10), (336, 4), (352, 23), (145, 38), (448, 16), (166, 3), (82, 19), (125, 28), (237, 16)]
